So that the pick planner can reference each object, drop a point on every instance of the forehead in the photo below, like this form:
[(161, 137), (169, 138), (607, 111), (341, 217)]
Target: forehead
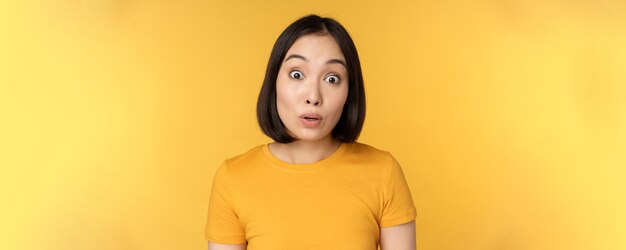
[(316, 47)]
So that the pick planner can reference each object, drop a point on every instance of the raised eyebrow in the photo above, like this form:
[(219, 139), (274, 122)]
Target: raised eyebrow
[(339, 61), (296, 56), (331, 61)]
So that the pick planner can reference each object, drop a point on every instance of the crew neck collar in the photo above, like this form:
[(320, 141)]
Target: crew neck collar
[(307, 167)]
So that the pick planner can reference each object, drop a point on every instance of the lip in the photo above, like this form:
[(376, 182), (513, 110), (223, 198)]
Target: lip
[(311, 115), (310, 123)]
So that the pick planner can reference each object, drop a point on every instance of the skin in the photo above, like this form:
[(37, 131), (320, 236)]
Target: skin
[(400, 237), (313, 78)]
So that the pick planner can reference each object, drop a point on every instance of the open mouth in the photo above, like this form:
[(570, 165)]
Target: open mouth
[(311, 120)]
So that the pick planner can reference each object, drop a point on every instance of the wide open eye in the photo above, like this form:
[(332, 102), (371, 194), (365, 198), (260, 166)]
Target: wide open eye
[(296, 74), (332, 79)]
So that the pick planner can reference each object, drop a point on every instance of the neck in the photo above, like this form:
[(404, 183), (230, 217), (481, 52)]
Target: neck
[(301, 151)]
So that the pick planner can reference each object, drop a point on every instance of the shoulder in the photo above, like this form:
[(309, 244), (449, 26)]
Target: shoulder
[(241, 168), (248, 155), (247, 162), (368, 151)]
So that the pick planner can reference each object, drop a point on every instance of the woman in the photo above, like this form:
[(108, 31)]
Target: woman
[(314, 187)]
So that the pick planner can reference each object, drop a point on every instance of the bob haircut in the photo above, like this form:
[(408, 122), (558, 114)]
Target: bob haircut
[(350, 124)]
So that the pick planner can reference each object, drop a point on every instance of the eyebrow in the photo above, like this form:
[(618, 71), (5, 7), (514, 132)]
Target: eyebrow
[(331, 61)]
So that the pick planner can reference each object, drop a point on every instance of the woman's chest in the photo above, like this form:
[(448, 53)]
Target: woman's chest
[(321, 212)]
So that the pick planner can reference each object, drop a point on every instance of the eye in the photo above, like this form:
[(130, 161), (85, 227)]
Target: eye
[(295, 74), (332, 79)]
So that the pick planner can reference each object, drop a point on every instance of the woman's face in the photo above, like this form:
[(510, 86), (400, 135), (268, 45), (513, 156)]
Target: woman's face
[(312, 87)]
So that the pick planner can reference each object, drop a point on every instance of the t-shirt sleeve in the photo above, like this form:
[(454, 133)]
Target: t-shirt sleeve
[(222, 222), (398, 207)]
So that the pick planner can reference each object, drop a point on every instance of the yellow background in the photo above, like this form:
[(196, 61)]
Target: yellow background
[(508, 117)]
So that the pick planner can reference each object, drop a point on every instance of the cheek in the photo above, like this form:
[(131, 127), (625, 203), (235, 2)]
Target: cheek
[(284, 100), (342, 96), (338, 102)]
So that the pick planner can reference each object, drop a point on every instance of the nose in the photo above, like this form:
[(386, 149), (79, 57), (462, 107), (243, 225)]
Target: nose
[(313, 96), (314, 102)]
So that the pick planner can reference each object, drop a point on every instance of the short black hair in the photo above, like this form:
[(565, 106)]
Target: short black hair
[(350, 124)]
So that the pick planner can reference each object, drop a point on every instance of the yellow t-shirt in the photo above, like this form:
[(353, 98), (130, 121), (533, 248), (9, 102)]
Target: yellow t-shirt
[(339, 202)]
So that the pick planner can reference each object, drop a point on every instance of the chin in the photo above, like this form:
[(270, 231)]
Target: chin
[(310, 136)]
